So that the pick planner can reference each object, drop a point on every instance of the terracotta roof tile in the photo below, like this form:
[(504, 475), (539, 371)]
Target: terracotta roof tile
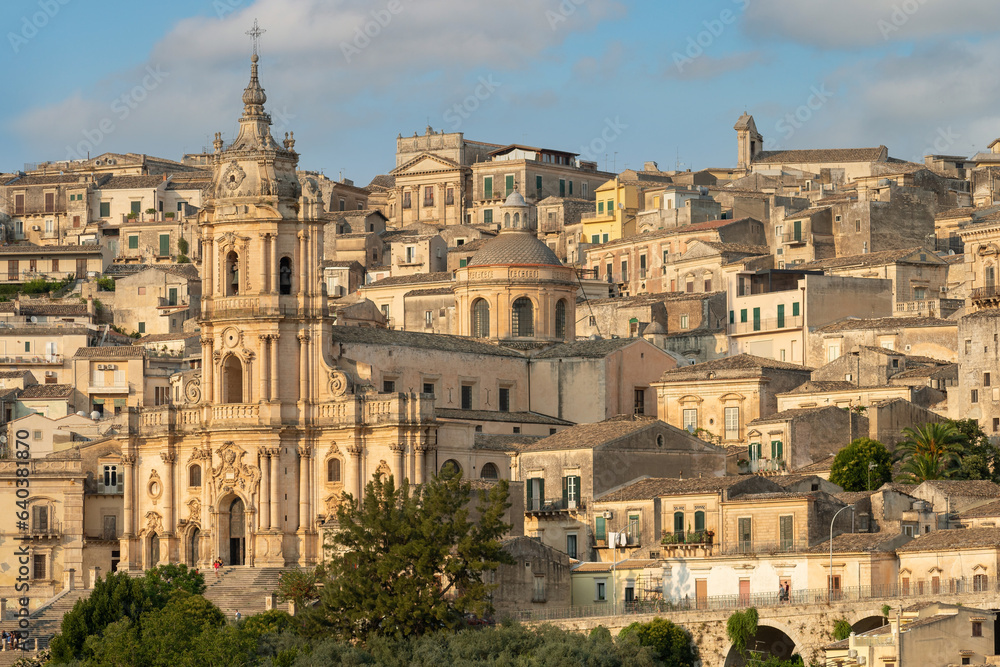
[(892, 323), (412, 279), (739, 362), (43, 391), (112, 352), (419, 340), (497, 416), (819, 155), (958, 538), (654, 487), (588, 436)]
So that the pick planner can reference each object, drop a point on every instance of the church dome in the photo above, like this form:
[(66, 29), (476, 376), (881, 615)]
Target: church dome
[(514, 247), (654, 328), (515, 199)]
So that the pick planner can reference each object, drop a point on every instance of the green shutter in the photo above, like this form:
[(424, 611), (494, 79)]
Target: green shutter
[(105, 209), (133, 242), (462, 262), (797, 226), (743, 315), (541, 491), (538, 184), (699, 521), (142, 327), (119, 402), (172, 296), (777, 450), (756, 319), (795, 309), (600, 208), (781, 315), (164, 245), (571, 188), (509, 184), (732, 316), (488, 188), (600, 529), (595, 238), (565, 483), (136, 206), (562, 187)]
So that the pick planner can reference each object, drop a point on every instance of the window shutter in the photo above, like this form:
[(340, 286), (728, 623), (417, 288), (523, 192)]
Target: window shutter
[(565, 483), (541, 491), (531, 486), (600, 531), (578, 489)]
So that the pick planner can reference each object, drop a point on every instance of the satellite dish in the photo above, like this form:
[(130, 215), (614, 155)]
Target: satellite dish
[(34, 319), (3, 440), (81, 413), (95, 415)]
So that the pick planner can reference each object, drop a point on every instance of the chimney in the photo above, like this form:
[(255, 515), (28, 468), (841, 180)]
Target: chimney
[(90, 305)]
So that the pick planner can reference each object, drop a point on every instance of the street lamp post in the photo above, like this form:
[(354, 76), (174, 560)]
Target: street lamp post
[(871, 466), (830, 573)]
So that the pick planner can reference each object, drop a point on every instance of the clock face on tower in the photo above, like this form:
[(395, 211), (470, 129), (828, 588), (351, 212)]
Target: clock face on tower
[(231, 337)]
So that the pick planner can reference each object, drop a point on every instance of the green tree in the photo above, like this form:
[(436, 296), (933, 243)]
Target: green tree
[(412, 559), (850, 465), (122, 600), (930, 451), (300, 585), (842, 629), (980, 459), (671, 643), (741, 627)]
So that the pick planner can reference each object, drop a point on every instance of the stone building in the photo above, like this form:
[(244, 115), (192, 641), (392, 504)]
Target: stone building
[(539, 578), (158, 299), (922, 336), (919, 278), (559, 225), (25, 261), (720, 398)]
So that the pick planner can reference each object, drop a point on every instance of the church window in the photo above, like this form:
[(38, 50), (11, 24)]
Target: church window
[(488, 216), (506, 220), (481, 319), (194, 475), (561, 318), (429, 195), (517, 219), (522, 318), (449, 196), (285, 276), (232, 380), (489, 471), (406, 199), (333, 470)]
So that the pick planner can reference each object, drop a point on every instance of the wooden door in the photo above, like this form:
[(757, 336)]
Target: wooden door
[(744, 592), (701, 593)]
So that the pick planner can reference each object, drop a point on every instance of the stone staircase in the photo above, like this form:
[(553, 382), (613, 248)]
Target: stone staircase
[(243, 589), (45, 622)]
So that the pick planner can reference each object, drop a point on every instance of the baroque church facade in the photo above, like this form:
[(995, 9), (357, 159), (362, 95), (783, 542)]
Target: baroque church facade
[(254, 459), (270, 434)]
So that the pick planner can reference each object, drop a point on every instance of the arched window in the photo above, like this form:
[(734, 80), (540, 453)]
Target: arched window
[(489, 471), (561, 318), (517, 219), (285, 276), (522, 320), (679, 525), (232, 380), (232, 273), (699, 521), (451, 467), (506, 219), (480, 319), (333, 470), (194, 475), (193, 555)]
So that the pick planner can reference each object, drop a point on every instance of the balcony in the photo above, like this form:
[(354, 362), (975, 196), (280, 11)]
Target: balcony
[(738, 547), (48, 530), (767, 324), (122, 389), (990, 293), (794, 239), (596, 215), (542, 508), (50, 359)]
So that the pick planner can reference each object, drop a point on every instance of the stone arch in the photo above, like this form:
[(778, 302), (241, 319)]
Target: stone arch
[(152, 550), (233, 521), (480, 318), (560, 313), (522, 317), (773, 638), (192, 546), (232, 379), (232, 267), (285, 275), (869, 622), (489, 471), (453, 463)]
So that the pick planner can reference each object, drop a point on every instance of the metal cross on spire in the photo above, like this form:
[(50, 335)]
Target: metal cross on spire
[(255, 32)]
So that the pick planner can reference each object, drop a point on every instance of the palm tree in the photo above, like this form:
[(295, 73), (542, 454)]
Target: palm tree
[(930, 451)]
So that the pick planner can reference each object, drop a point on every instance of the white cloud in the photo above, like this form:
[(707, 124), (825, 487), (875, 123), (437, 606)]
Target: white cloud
[(847, 24), (330, 64)]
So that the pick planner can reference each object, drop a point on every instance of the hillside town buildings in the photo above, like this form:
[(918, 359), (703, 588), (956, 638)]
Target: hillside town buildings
[(663, 364)]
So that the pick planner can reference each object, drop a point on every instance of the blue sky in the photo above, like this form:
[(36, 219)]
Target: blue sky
[(622, 82)]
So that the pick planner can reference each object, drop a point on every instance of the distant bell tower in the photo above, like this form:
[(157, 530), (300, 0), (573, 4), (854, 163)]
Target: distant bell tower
[(749, 141)]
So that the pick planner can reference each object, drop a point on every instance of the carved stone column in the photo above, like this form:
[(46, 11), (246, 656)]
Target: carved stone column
[(207, 371), (272, 263), (399, 449), (274, 366), (304, 454), (421, 451), (208, 260), (128, 462), (265, 366), (265, 247), (274, 453), (169, 523), (301, 251), (303, 365), (265, 490), (355, 450)]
